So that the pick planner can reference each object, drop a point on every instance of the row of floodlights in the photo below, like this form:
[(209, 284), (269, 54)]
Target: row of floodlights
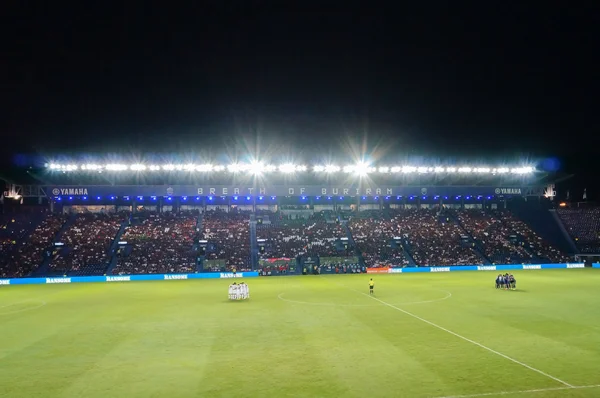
[(288, 168), (235, 198)]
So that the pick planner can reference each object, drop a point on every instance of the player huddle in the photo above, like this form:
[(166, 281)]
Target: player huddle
[(239, 291), (506, 282)]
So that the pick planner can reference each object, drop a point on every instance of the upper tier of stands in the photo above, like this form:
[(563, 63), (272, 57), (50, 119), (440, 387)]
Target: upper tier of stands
[(583, 224)]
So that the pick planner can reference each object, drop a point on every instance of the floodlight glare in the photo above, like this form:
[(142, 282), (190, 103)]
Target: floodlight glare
[(332, 168), (438, 169), (169, 167), (319, 169), (256, 168), (235, 168), (205, 167), (137, 167), (287, 168), (384, 169)]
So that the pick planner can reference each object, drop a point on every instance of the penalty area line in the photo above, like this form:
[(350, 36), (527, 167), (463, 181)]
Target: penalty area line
[(500, 393), (465, 339)]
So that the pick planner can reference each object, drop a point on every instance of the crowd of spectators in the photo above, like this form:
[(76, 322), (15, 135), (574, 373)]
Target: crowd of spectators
[(283, 238), (228, 233), (87, 242), (494, 237), (583, 224), (434, 239), (161, 243), (541, 249), (23, 259), (373, 235)]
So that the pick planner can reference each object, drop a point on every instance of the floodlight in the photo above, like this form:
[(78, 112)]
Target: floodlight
[(396, 169), (269, 168), (318, 169), (287, 168), (256, 168), (422, 170), (332, 168), (169, 167), (464, 169), (219, 168), (438, 169), (409, 169), (138, 167), (204, 167), (301, 168), (153, 167), (384, 169), (234, 168), (116, 167)]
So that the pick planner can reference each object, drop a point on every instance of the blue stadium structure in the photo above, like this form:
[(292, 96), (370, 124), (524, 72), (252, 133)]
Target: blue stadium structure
[(80, 219)]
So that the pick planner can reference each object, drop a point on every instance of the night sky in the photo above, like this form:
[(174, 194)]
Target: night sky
[(452, 79)]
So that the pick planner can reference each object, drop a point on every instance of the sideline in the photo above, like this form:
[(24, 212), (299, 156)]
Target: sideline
[(446, 297), (465, 339), (492, 394), (40, 302)]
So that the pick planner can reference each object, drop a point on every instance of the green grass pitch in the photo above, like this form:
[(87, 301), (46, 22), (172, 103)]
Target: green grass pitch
[(423, 335)]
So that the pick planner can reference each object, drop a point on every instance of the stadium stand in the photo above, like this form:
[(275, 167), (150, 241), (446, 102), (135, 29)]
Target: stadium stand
[(229, 235), (28, 255), (491, 234), (373, 234), (583, 225), (160, 243), (530, 240), (285, 238), (434, 239), (87, 242)]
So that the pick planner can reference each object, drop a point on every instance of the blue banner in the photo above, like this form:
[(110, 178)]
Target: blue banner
[(507, 267), (126, 278), (595, 265)]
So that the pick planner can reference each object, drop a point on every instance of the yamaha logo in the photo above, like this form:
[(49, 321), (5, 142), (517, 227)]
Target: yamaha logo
[(56, 192), (508, 191)]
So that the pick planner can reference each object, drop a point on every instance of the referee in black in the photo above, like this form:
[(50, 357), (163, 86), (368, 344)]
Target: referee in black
[(371, 287)]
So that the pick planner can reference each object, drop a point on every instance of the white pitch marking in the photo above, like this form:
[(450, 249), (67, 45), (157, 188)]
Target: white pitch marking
[(448, 295), (42, 303), (491, 394), (465, 339)]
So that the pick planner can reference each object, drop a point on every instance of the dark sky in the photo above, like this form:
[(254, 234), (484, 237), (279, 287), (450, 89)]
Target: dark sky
[(499, 79)]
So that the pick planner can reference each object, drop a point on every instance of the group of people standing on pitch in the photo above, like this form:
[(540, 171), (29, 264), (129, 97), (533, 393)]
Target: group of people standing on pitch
[(239, 291), (506, 282)]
